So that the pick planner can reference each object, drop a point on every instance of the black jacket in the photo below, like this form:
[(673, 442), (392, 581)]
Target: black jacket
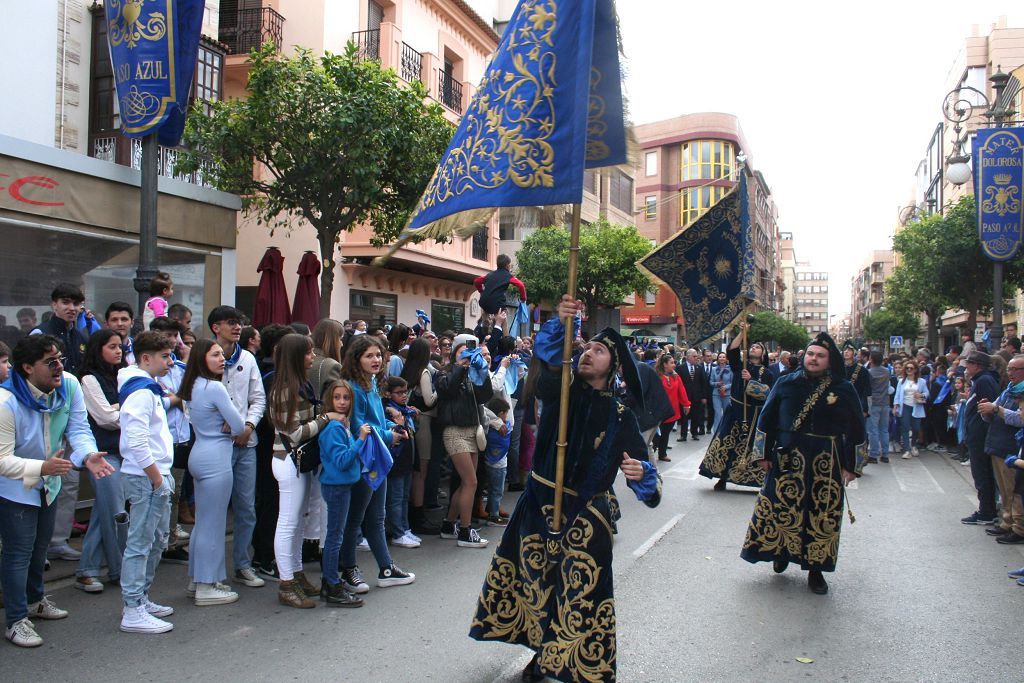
[(459, 398), (71, 339), (697, 384), (657, 407)]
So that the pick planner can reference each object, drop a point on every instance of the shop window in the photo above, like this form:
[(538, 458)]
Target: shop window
[(445, 315), (375, 308)]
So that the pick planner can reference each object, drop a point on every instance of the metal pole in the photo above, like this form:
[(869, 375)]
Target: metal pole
[(996, 330), (147, 269), (563, 414)]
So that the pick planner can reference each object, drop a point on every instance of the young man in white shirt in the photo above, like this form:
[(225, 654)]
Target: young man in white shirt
[(245, 387), (147, 451)]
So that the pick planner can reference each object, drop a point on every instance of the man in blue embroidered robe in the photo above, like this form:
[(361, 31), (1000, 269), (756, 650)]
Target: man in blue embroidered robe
[(806, 441), (553, 592)]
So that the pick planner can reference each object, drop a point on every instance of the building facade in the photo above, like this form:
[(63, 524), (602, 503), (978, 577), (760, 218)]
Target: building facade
[(446, 45), (787, 267), (868, 288), (686, 165), (810, 298), (69, 198)]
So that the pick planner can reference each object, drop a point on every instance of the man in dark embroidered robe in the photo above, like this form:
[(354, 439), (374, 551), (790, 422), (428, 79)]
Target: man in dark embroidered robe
[(806, 438), (552, 592)]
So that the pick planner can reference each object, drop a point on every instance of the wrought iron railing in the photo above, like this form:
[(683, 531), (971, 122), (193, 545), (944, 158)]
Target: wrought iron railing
[(251, 28), (368, 43), (449, 91), (412, 64), (117, 149)]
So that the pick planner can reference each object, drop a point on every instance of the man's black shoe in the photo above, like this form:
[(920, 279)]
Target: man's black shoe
[(780, 566), (682, 438), (695, 437), (175, 556), (884, 458), (1010, 539), (997, 531), (816, 582), (720, 484), (665, 459), (872, 461), (336, 596), (977, 519)]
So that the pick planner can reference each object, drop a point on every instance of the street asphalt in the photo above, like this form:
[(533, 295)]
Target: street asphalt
[(917, 596)]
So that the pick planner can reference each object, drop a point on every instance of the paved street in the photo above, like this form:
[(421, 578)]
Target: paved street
[(917, 597)]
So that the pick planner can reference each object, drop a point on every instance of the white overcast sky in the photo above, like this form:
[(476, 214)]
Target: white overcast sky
[(837, 101)]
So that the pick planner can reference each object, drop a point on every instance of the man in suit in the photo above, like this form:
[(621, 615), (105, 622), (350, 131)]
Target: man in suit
[(709, 407), (781, 366), (697, 386)]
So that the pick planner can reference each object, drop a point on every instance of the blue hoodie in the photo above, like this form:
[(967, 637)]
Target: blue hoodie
[(338, 455)]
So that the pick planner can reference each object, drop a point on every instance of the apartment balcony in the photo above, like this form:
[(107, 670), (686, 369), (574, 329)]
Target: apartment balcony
[(449, 91), (368, 44), (113, 147), (247, 29), (412, 64)]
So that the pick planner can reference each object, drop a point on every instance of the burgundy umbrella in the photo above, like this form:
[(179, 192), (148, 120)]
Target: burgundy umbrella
[(306, 308), (271, 297)]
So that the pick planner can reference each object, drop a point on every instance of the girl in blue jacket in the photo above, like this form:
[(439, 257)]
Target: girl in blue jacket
[(339, 457)]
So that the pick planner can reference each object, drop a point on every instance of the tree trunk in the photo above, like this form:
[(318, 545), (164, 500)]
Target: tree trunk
[(932, 333), (327, 246)]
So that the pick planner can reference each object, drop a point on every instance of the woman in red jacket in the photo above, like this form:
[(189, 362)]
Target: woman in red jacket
[(666, 368)]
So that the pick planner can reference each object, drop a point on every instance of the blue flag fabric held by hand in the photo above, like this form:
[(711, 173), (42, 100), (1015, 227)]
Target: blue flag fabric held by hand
[(375, 459)]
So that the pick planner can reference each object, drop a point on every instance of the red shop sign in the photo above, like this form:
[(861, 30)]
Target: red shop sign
[(21, 188), (636, 319)]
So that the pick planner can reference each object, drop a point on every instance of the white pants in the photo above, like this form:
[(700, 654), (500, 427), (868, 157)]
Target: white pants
[(296, 492)]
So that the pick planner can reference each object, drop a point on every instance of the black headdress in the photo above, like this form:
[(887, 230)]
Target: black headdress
[(621, 356), (837, 365)]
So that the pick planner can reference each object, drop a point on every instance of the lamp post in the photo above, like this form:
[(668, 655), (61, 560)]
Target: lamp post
[(957, 109)]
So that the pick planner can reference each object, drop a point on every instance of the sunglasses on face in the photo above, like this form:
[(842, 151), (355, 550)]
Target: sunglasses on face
[(56, 361)]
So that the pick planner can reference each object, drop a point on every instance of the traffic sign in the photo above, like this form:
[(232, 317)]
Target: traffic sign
[(895, 342)]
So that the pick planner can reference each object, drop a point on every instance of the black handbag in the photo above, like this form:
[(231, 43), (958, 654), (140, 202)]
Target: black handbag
[(306, 455)]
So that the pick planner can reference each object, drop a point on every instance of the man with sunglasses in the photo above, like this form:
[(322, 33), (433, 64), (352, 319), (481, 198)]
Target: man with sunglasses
[(245, 387), (41, 407)]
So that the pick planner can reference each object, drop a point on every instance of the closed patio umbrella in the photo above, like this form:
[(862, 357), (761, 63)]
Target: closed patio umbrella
[(271, 297), (306, 308)]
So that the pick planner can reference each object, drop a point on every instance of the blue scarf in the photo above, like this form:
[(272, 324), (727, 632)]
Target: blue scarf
[(137, 384), (477, 365), (512, 375), (17, 385), (1015, 391), (234, 357)]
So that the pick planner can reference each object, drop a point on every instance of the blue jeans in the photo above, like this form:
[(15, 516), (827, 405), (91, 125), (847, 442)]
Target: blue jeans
[(338, 499), (909, 426), (878, 430), (495, 489), (721, 404), (147, 535), (101, 537), (25, 531), (398, 504), (243, 503), (366, 512)]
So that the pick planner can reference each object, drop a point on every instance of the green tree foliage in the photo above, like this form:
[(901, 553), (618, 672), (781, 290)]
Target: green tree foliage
[(336, 142), (607, 264), (888, 322), (942, 266), (771, 327)]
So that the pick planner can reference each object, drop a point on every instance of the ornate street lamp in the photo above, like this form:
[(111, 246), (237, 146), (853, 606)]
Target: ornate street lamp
[(958, 109)]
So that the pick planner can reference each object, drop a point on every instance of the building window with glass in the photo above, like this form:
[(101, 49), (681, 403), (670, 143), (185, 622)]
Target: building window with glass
[(650, 207), (208, 80), (651, 163), (620, 191), (707, 159), (695, 201), (376, 309)]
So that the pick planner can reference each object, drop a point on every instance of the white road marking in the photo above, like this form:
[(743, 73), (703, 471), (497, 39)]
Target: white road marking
[(910, 481), (688, 469), (657, 536)]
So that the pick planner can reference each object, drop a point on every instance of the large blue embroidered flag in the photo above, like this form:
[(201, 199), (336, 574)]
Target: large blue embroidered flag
[(549, 105), (153, 47), (709, 266)]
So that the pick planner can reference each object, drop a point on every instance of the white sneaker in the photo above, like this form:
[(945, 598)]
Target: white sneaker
[(44, 609), (138, 620), (23, 634), (405, 542), (913, 451), (190, 590), (364, 545), (210, 594), (180, 533), (906, 455), (247, 577), (413, 536), (157, 610)]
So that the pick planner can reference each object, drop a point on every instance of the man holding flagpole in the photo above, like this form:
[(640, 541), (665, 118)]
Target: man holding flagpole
[(552, 590)]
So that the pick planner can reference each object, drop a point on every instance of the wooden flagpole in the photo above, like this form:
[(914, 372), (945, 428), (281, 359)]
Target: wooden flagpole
[(563, 414), (745, 351)]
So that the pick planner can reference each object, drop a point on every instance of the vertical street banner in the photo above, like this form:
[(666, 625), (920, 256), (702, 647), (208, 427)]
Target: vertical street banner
[(549, 106), (709, 266), (153, 46), (999, 176)]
